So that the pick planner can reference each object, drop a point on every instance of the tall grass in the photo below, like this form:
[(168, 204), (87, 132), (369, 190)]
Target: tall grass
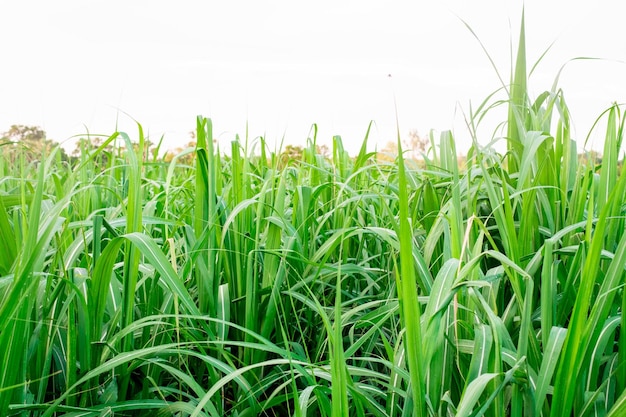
[(253, 284)]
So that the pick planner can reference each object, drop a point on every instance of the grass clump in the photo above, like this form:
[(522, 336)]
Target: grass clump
[(252, 284)]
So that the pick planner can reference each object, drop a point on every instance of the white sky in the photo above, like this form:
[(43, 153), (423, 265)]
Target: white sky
[(280, 66)]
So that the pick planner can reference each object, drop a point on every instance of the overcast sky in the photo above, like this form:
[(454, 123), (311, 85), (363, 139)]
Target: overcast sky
[(280, 66)]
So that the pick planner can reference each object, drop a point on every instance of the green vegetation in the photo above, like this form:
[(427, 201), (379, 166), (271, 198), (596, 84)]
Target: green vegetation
[(255, 284)]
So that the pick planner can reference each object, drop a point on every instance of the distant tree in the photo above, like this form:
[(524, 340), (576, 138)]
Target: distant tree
[(389, 152), (88, 144), (590, 157), (186, 159), (413, 146), (86, 147), (147, 153), (291, 153), (22, 133), (323, 150), (30, 139)]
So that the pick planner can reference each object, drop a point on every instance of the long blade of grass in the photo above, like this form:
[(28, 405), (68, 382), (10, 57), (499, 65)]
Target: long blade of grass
[(411, 314)]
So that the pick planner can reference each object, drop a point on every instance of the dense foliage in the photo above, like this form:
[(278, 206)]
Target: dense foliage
[(249, 285)]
